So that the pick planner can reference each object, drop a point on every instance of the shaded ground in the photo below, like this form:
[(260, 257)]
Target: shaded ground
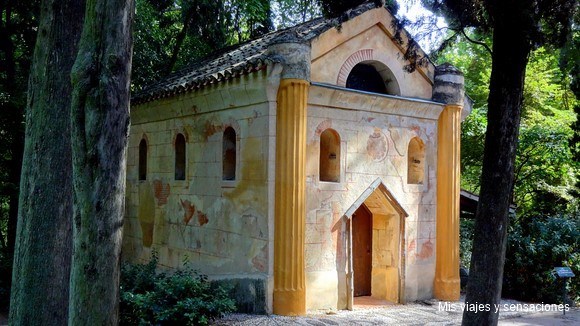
[(430, 312), (373, 312)]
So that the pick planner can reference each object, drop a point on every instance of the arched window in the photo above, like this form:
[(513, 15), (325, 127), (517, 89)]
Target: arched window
[(373, 76), (416, 161), (329, 156), (229, 154), (180, 157), (143, 159)]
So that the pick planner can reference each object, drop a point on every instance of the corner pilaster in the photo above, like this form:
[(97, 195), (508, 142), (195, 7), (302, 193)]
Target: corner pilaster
[(448, 89), (290, 185)]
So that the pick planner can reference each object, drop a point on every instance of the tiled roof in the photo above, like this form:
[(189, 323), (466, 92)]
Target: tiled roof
[(238, 60)]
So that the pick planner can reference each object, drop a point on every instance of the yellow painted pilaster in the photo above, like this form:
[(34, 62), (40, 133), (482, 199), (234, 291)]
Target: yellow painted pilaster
[(289, 215), (447, 284)]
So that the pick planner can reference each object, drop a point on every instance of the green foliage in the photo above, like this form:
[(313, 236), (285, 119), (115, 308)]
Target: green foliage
[(248, 19), (18, 27), (533, 250), (335, 8), (466, 227), (544, 175), (184, 297), (170, 34), (5, 263), (472, 138), (289, 13), (547, 97), (546, 22), (570, 65), (546, 171), (167, 33)]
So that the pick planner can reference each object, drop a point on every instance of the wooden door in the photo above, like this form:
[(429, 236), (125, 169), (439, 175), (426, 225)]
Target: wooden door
[(362, 256)]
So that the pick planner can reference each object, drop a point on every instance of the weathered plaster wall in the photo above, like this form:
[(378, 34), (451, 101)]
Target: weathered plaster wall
[(223, 228), (375, 132), (386, 256)]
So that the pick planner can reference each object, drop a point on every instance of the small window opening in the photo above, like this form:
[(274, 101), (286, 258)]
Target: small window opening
[(143, 160), (229, 154), (416, 161), (180, 157), (329, 156)]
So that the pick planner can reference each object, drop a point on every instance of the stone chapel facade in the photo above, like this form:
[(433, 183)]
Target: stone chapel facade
[(304, 168)]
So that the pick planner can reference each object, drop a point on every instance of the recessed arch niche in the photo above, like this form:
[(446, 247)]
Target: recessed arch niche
[(329, 164), (416, 161)]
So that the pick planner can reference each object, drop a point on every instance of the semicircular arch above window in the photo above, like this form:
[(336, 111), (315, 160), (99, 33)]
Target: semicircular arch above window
[(362, 71)]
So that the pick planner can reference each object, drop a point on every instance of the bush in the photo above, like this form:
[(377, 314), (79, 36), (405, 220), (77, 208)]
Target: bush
[(466, 227), (534, 249), (184, 297)]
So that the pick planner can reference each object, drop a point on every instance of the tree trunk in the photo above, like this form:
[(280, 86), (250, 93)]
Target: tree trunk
[(43, 247), (511, 47), (15, 172), (191, 10), (100, 127)]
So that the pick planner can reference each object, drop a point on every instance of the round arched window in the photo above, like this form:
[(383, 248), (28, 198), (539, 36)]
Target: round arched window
[(373, 76)]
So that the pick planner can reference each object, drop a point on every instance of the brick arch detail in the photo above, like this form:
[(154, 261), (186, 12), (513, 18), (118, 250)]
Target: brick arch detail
[(354, 59)]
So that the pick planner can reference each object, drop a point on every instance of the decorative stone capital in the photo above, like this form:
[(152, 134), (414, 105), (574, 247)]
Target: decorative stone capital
[(448, 87), (294, 57)]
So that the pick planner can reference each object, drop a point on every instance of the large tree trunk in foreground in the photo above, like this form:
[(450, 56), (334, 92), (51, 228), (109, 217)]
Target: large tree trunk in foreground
[(511, 47), (40, 279), (100, 127)]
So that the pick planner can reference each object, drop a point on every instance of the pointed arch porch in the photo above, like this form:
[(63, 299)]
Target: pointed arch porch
[(387, 283)]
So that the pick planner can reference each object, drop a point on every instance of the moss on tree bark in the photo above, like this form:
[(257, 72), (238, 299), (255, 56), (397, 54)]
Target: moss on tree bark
[(43, 239), (100, 128)]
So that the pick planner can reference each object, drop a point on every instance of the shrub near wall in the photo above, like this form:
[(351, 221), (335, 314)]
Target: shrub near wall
[(535, 247), (184, 297), (466, 227)]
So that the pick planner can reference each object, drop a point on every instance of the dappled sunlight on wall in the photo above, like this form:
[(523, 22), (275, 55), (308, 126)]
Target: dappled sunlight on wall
[(416, 161)]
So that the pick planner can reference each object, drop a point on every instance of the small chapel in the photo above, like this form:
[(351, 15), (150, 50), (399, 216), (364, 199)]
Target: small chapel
[(305, 168)]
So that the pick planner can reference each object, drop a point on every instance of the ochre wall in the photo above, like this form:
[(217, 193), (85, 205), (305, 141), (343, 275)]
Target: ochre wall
[(375, 134), (223, 228)]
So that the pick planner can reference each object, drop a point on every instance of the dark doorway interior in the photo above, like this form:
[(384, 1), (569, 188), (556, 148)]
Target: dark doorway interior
[(362, 244), (365, 77)]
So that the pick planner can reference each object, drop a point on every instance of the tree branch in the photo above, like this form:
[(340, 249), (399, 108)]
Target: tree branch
[(179, 39), (476, 41)]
